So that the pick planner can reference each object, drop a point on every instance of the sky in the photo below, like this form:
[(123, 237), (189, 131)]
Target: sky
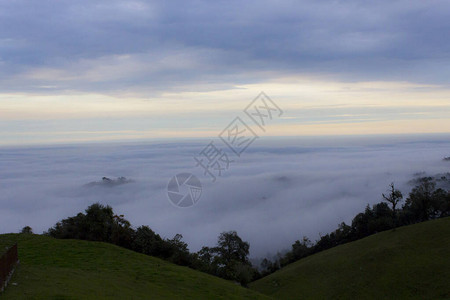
[(359, 90), (83, 71)]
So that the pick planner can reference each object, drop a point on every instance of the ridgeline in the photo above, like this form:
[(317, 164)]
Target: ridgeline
[(411, 262)]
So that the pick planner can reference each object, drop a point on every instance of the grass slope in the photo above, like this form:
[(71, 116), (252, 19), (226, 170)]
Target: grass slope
[(73, 269), (411, 262)]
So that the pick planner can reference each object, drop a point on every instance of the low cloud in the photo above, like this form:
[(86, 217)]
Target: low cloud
[(278, 191)]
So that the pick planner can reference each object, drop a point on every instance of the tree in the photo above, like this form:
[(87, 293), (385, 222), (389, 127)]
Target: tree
[(244, 273), (441, 203), (99, 219), (229, 259), (99, 223), (70, 228), (27, 230), (381, 218), (419, 203), (147, 241), (206, 258), (232, 257), (268, 266), (394, 197), (122, 234), (360, 223), (178, 250), (232, 248), (301, 248)]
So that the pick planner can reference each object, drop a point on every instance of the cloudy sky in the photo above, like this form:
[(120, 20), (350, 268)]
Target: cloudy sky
[(75, 71), (363, 87)]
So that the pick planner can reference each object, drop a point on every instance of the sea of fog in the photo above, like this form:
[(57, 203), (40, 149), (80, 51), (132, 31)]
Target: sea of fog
[(277, 191)]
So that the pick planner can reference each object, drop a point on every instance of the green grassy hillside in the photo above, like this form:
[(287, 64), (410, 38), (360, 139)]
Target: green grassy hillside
[(412, 262), (73, 269)]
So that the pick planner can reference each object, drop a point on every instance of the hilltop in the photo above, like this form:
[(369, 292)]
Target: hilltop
[(67, 269), (410, 262)]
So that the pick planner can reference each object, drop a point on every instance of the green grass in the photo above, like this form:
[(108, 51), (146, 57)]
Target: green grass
[(412, 262), (4, 245), (74, 269)]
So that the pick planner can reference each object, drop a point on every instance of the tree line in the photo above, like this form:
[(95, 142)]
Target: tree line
[(229, 258), (424, 202)]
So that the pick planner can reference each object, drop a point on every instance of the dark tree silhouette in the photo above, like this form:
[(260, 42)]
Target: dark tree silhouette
[(420, 201), (229, 259), (27, 230), (232, 257), (394, 197)]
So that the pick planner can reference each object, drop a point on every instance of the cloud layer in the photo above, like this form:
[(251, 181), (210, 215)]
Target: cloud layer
[(278, 191)]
